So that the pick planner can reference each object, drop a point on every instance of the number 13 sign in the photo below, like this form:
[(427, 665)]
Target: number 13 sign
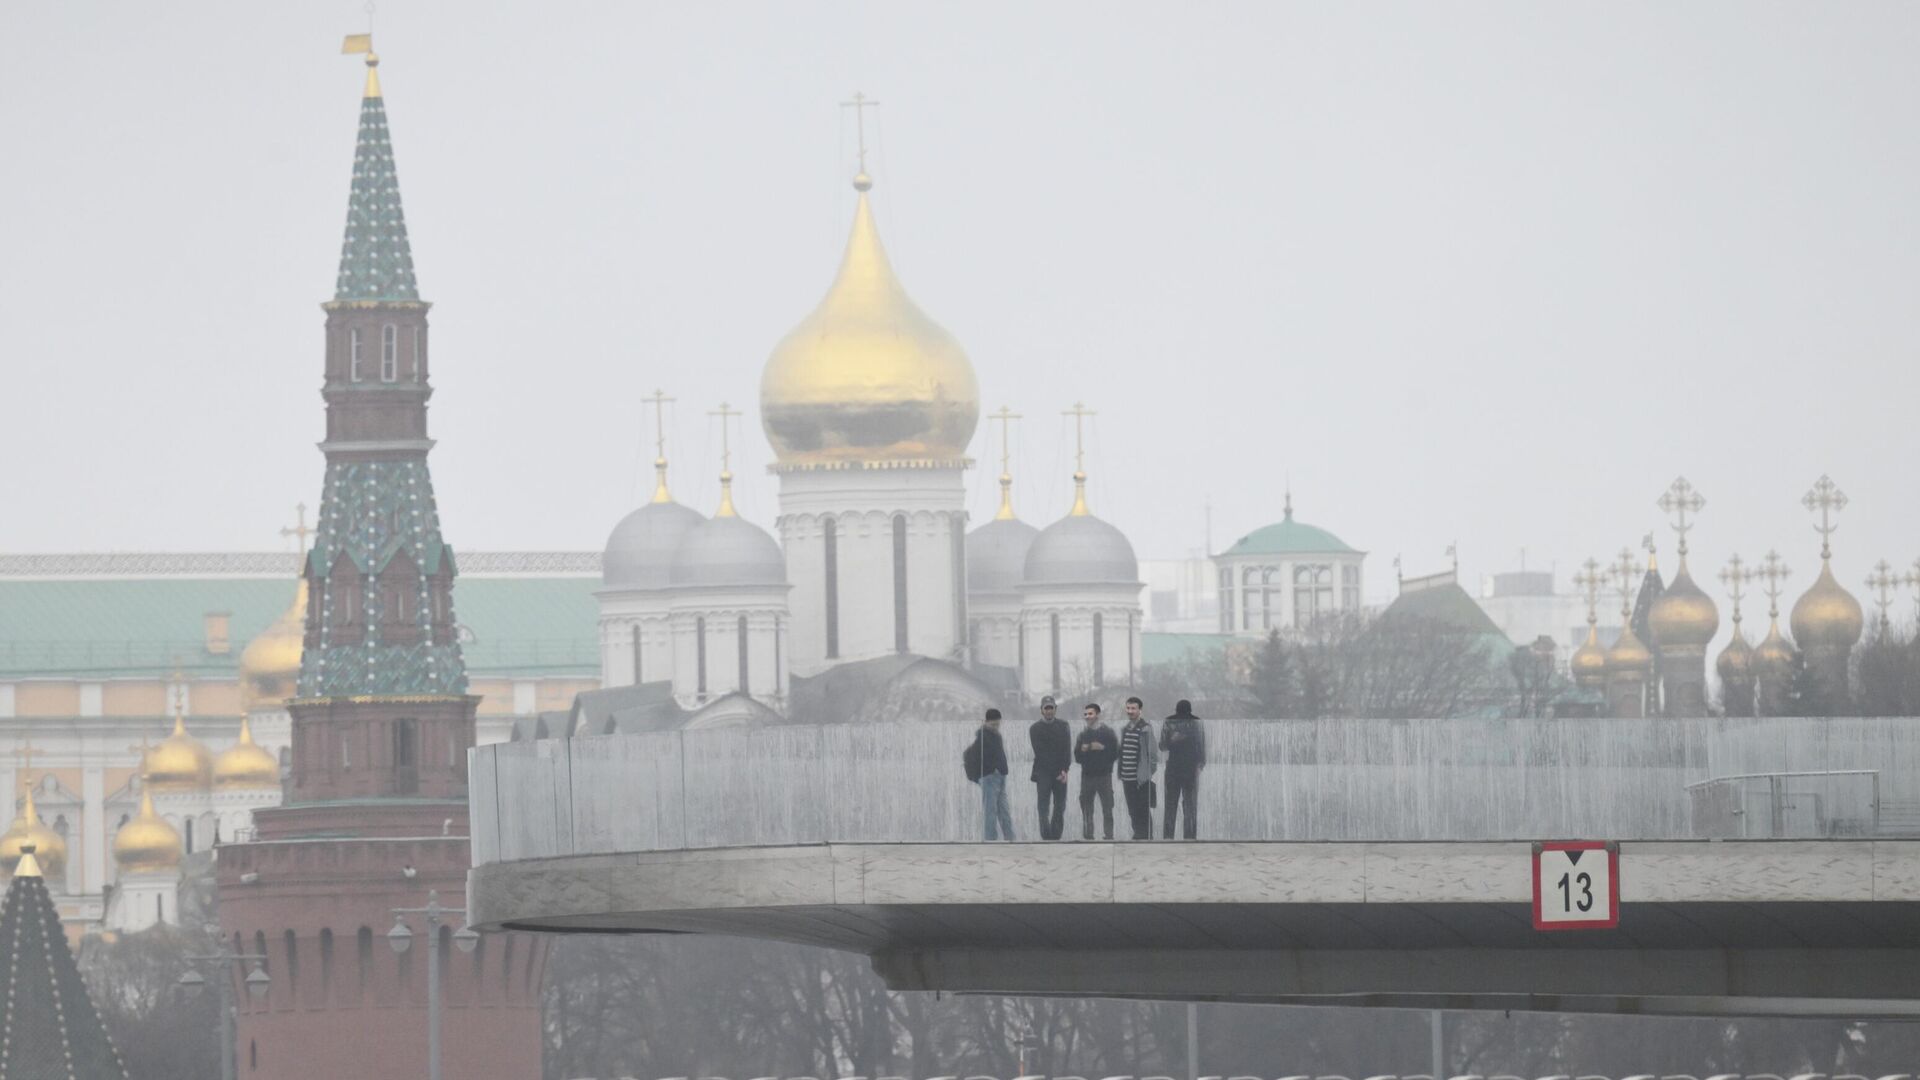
[(1576, 885)]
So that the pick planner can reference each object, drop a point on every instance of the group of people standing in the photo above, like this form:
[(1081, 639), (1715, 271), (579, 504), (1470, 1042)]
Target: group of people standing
[(1133, 753)]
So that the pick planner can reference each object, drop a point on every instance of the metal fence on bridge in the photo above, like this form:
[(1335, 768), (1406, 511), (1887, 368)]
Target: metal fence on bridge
[(1351, 780)]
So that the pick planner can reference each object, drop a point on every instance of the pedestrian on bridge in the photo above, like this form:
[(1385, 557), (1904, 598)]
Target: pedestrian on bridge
[(1139, 759), (1096, 751), (1052, 740), (985, 761), (1185, 742)]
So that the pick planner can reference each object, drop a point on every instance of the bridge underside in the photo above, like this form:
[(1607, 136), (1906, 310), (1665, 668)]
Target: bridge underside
[(1822, 928)]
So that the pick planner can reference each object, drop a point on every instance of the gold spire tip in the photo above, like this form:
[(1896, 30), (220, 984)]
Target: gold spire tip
[(28, 866)]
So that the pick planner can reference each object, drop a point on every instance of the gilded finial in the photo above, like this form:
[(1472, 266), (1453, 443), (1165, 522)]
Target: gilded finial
[(1626, 578), (1653, 555), (660, 402), (725, 413), (1680, 499), (363, 43), (28, 866), (1006, 417), (1883, 581), (1826, 497), (1079, 412), (860, 104), (1590, 579), (1735, 577), (1773, 570)]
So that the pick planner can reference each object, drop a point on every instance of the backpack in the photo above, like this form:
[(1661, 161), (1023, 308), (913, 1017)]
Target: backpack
[(970, 760)]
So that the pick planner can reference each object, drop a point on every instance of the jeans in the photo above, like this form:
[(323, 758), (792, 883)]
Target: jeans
[(1181, 784), (1137, 808), (1053, 806), (1100, 786), (993, 806)]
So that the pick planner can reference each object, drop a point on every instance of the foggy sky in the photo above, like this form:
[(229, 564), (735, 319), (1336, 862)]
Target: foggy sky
[(1493, 273)]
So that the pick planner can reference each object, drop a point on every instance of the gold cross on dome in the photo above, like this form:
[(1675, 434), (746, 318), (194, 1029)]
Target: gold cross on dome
[(1826, 497), (299, 530), (1883, 581), (860, 104), (1626, 575), (1773, 570), (1005, 417), (660, 401), (143, 748), (1680, 500), (1079, 412), (1735, 577), (1590, 579), (24, 754), (725, 413)]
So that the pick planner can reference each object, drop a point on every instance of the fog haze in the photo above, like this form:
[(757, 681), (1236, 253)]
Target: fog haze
[(1486, 273)]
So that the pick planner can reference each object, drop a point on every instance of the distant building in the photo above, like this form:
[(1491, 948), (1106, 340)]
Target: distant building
[(1285, 575), (1526, 605), (1183, 595)]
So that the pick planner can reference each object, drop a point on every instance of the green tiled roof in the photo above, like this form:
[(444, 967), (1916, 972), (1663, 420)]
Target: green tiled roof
[(142, 627), (1290, 537), (1450, 606), (376, 262)]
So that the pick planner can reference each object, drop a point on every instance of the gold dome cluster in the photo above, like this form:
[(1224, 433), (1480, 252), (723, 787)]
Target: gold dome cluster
[(27, 830), (1827, 615), (246, 764), (868, 378), (180, 762), (147, 842)]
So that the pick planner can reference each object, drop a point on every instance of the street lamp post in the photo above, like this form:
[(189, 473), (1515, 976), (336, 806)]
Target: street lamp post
[(401, 938), (221, 964)]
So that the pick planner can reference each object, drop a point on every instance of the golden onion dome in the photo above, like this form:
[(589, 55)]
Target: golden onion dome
[(1773, 657), (1826, 615), (1589, 661), (1735, 663), (246, 764), (1628, 656), (147, 842), (270, 664), (868, 377), (1684, 615), (180, 762), (27, 830)]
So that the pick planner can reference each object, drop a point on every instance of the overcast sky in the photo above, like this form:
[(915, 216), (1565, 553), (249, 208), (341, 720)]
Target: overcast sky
[(1486, 272)]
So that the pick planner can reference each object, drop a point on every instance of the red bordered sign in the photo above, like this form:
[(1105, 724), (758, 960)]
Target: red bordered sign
[(1576, 885)]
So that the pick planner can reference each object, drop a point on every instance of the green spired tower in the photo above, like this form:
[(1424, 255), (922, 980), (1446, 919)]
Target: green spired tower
[(382, 708)]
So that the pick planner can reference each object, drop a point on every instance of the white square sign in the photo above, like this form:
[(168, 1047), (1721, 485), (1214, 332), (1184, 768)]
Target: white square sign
[(1576, 885)]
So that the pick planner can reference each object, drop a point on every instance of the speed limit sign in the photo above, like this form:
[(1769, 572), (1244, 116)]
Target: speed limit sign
[(1576, 885)]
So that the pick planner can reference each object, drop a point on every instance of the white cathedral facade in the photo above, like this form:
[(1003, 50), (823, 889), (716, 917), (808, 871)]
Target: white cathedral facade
[(869, 406)]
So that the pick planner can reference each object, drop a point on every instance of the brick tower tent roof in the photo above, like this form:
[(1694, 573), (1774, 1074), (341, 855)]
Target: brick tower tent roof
[(49, 1029)]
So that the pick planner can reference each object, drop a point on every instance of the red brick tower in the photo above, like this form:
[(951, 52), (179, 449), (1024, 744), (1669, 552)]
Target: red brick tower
[(375, 813)]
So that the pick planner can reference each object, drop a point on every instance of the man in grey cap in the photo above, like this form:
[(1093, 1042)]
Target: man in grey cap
[(1052, 740)]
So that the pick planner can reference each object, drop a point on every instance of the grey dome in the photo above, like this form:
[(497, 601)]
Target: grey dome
[(997, 555), (639, 554), (728, 551), (1081, 551)]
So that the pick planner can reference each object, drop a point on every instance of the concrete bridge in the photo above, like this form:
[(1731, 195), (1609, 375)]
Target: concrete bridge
[(1414, 891)]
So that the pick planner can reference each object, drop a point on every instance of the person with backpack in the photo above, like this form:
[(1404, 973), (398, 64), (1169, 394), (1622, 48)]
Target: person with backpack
[(1185, 743), (985, 761), (1052, 740), (1139, 759)]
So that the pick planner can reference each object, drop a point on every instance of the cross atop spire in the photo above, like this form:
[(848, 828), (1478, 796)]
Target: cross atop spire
[(376, 261), (1590, 579), (1005, 417), (298, 530), (1625, 572), (1680, 500), (660, 401), (726, 414), (1883, 581), (860, 104), (1079, 412), (1773, 570), (24, 754), (1735, 576), (1826, 497)]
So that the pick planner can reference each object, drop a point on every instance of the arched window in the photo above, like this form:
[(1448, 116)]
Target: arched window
[(389, 353), (1312, 593), (1249, 596), (253, 1054), (1270, 609), (745, 686), (419, 351), (700, 657), (293, 964), (1350, 587), (1053, 632), (1225, 601), (363, 956), (187, 836), (1099, 652), (900, 583), (354, 351), (639, 667), (830, 542), (260, 950), (160, 907), (326, 964)]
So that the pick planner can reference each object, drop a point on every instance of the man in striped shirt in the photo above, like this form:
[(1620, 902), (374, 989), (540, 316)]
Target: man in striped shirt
[(1139, 757)]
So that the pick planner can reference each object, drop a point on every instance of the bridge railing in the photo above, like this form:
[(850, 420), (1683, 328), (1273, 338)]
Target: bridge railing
[(1366, 780)]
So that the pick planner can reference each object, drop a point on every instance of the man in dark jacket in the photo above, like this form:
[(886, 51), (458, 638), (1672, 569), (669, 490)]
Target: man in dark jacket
[(986, 758), (1096, 750), (1052, 740), (1185, 743)]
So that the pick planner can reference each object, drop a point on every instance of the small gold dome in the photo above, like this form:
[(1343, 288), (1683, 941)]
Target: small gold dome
[(1684, 615), (49, 850), (1826, 615), (270, 664), (245, 764), (1773, 657), (147, 842), (1735, 663), (1628, 656), (1589, 661), (868, 377), (181, 762)]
